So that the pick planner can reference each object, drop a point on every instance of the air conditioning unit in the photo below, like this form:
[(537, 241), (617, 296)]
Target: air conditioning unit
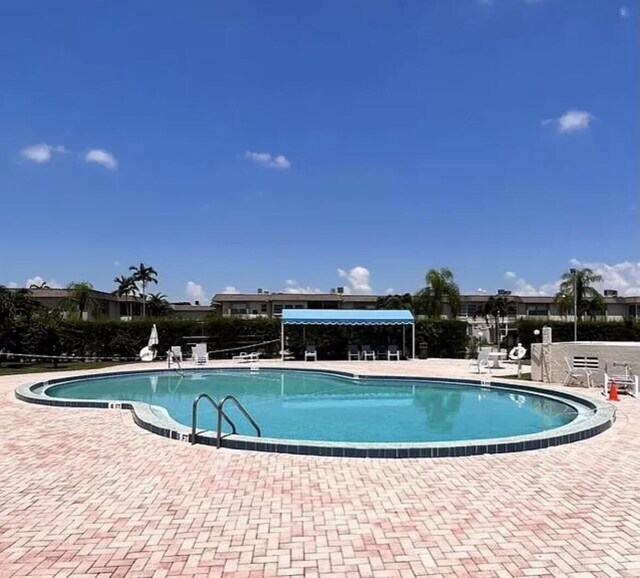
[(610, 293), (259, 291), (340, 290)]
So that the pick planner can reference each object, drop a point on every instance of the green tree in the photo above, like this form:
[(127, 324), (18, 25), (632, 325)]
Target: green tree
[(395, 302), (126, 288), (157, 305), (144, 275), (495, 308), (81, 302), (17, 309), (588, 299), (440, 288)]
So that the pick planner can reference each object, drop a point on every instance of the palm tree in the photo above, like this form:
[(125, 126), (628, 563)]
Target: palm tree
[(158, 305), (81, 299), (580, 280), (126, 287), (440, 287), (42, 285), (144, 275), (497, 307)]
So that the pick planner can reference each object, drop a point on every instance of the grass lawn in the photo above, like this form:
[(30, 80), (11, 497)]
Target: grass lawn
[(12, 368)]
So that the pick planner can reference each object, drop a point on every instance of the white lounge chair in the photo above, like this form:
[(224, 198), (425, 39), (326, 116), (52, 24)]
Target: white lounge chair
[(368, 353), (626, 381), (353, 353), (482, 361), (577, 374), (199, 352), (176, 353), (310, 353), (393, 353), (247, 357)]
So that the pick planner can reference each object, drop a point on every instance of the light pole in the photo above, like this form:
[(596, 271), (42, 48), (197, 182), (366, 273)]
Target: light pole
[(575, 304)]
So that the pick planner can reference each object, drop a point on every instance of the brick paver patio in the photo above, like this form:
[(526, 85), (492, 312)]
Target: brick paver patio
[(87, 493)]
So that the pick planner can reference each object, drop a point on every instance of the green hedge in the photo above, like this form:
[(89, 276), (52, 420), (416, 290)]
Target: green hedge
[(587, 331), (125, 339)]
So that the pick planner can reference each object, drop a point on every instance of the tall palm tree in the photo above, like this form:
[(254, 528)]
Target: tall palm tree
[(42, 285), (158, 305), (144, 275), (126, 287), (497, 307), (580, 280), (81, 300), (440, 287)]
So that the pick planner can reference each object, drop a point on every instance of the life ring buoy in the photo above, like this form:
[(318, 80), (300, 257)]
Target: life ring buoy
[(147, 354), (517, 353)]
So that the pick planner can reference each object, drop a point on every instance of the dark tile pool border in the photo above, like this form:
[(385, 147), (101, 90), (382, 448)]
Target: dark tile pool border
[(594, 417)]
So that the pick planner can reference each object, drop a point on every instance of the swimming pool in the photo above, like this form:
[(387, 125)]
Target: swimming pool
[(309, 409)]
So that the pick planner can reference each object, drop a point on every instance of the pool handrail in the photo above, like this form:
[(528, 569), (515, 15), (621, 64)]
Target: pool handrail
[(242, 410), (221, 414)]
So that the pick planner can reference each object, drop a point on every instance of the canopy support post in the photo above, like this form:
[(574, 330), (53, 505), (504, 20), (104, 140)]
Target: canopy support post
[(413, 340), (404, 347), (282, 340)]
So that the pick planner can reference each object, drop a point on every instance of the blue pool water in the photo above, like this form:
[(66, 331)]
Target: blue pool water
[(315, 406)]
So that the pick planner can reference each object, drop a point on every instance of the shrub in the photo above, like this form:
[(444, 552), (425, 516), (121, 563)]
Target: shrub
[(587, 331)]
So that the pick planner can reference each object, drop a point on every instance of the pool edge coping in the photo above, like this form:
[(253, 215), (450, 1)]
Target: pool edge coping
[(157, 420)]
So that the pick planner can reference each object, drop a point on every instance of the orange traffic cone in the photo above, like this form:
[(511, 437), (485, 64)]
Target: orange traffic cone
[(613, 391)]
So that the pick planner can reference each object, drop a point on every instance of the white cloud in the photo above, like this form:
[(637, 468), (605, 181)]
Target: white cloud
[(195, 292), (38, 280), (12, 285), (510, 275), (116, 263), (623, 277), (42, 152), (101, 157), (292, 286), (268, 161), (481, 290), (571, 121), (358, 279), (624, 12), (390, 291), (230, 290)]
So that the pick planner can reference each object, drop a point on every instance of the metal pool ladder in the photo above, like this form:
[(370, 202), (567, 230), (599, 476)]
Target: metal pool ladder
[(219, 407)]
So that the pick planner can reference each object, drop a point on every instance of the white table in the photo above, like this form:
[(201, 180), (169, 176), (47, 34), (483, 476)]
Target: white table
[(496, 356)]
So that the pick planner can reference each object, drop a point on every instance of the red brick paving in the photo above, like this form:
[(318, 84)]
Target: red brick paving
[(86, 493)]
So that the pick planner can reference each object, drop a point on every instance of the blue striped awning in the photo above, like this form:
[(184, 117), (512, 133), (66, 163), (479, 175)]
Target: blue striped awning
[(347, 317)]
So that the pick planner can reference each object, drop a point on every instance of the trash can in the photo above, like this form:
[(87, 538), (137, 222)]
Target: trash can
[(423, 351)]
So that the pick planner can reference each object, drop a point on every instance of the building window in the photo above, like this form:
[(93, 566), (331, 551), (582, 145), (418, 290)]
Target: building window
[(538, 311), (263, 308)]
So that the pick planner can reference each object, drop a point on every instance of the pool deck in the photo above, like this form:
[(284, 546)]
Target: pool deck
[(85, 492)]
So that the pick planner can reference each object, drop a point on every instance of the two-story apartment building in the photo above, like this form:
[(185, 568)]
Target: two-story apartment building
[(265, 304)]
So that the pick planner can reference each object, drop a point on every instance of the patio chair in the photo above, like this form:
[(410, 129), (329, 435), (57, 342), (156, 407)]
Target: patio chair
[(353, 353), (626, 381), (368, 353), (310, 353), (199, 352), (482, 361), (393, 353), (576, 374), (176, 353)]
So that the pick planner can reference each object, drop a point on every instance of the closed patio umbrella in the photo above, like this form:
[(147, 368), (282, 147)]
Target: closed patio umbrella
[(153, 338), (148, 353)]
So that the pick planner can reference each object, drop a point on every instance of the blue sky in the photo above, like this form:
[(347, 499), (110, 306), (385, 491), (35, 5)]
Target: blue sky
[(271, 144)]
